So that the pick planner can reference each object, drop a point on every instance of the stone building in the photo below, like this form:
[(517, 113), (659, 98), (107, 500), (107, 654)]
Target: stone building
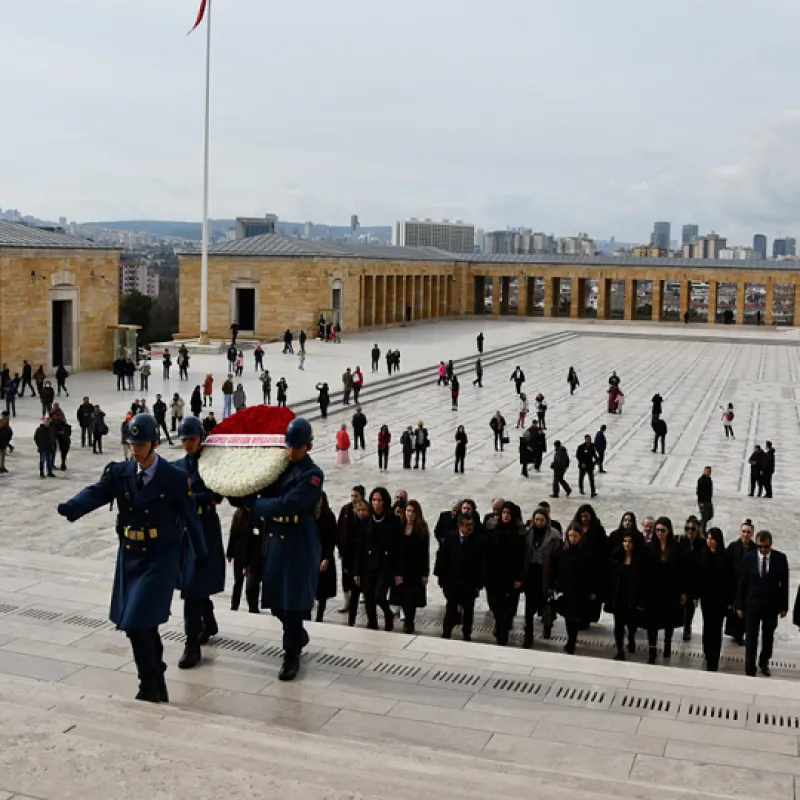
[(58, 297), (270, 283)]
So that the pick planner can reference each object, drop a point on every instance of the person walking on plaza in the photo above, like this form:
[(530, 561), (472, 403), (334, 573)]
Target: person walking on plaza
[(705, 498), (288, 338), (130, 375), (227, 396), (47, 395), (479, 341), (196, 401), (239, 364), (199, 583), (478, 374), (342, 446), (282, 388), (239, 398), (6, 435), (768, 470), (144, 377), (39, 378), (266, 387), (586, 456), (166, 364), (407, 446), (762, 596), (461, 448), (659, 426), (99, 429), (727, 421), (359, 422), (541, 411), (658, 404), (756, 462), (600, 445), (303, 338), (384, 442), (442, 374), (160, 416), (572, 380), (176, 407), (27, 374), (498, 426), (45, 440), (347, 386), (231, 354), (716, 594), (421, 444), (152, 499), (301, 360), (208, 390), (560, 466), (323, 398), (376, 357), (258, 356), (455, 389), (461, 571), (518, 376), (61, 379), (358, 382), (63, 434), (522, 409), (234, 329), (11, 395)]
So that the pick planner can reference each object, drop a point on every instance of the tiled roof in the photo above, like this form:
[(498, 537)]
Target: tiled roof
[(629, 261), (16, 234), (271, 244)]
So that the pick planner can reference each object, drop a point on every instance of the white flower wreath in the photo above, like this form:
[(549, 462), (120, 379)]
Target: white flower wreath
[(240, 471)]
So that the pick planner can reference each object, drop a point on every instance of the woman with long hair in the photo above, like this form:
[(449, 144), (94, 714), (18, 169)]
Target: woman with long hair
[(665, 587), (461, 448), (627, 527), (326, 528), (596, 543), (375, 558), (542, 545), (384, 442), (716, 592), (412, 565), (625, 592)]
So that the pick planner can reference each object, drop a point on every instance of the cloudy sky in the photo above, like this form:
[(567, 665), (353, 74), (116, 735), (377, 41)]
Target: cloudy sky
[(566, 116)]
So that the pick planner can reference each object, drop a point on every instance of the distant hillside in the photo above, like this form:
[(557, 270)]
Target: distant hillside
[(192, 230)]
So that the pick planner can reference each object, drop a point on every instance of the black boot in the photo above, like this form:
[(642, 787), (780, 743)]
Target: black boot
[(163, 694), (290, 667), (547, 633), (687, 634), (651, 658), (191, 656), (667, 648), (620, 656), (210, 628), (631, 644), (148, 691)]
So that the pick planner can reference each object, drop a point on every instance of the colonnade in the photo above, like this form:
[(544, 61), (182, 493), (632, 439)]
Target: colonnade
[(392, 299)]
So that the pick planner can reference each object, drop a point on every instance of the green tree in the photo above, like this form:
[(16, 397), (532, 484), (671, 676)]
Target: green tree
[(135, 309)]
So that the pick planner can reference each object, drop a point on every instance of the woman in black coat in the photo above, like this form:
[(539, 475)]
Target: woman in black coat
[(412, 565), (624, 598), (576, 583), (375, 557), (665, 587), (324, 398), (461, 448), (196, 401), (627, 527), (326, 528), (505, 568), (596, 543), (716, 591)]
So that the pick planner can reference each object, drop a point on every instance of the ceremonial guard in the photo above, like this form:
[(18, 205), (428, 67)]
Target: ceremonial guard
[(197, 585), (292, 546), (155, 505)]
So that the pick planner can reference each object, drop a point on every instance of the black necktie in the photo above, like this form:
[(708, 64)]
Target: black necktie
[(140, 480)]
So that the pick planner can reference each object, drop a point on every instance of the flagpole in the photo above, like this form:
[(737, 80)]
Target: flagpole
[(204, 252)]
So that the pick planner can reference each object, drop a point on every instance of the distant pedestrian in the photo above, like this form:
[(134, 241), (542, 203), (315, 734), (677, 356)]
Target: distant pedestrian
[(239, 398), (47, 395), (45, 440), (144, 376), (358, 382), (11, 395), (455, 388), (498, 426), (347, 386), (359, 423), (323, 398), (301, 360), (756, 462), (442, 374), (227, 396), (572, 380), (376, 357), (480, 342), (130, 374), (541, 411), (176, 407), (384, 442), (522, 409), (258, 355), (99, 429), (421, 444), (208, 389), (196, 401), (232, 355), (183, 366), (586, 456), (27, 374), (61, 379), (287, 342), (234, 329), (84, 417), (461, 448), (518, 376), (600, 445), (560, 466), (303, 338), (266, 387), (407, 446), (727, 421), (6, 434), (658, 403), (768, 470), (166, 363), (282, 388), (342, 446), (478, 374), (239, 364), (389, 362), (705, 498), (160, 416), (659, 426), (39, 378)]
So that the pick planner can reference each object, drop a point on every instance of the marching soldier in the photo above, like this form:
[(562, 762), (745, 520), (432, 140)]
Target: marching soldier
[(292, 546), (197, 585), (155, 505)]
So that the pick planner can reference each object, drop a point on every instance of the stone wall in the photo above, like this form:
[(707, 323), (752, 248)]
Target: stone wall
[(26, 300)]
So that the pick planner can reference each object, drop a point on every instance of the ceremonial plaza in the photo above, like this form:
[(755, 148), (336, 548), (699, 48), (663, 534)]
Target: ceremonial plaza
[(390, 715)]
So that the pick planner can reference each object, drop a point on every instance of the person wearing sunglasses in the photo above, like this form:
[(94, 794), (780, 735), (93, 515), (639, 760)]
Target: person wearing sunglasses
[(692, 547), (762, 597)]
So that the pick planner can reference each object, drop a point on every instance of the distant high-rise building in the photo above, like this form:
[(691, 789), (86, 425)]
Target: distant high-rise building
[(689, 234), (791, 246), (255, 226), (498, 242), (660, 235), (715, 243), (454, 237), (309, 232), (760, 246)]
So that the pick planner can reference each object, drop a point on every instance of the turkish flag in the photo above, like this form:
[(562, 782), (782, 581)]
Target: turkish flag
[(200, 14)]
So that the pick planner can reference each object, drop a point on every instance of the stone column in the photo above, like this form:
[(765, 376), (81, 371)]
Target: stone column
[(552, 294), (768, 300), (685, 298), (712, 302), (522, 294), (403, 296), (740, 301), (577, 298), (434, 296), (603, 298), (631, 292), (658, 299), (496, 283)]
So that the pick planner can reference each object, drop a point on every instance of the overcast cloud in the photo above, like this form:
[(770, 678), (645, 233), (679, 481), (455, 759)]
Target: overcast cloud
[(598, 116)]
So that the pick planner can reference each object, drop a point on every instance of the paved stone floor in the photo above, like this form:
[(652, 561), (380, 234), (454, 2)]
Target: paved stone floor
[(571, 726)]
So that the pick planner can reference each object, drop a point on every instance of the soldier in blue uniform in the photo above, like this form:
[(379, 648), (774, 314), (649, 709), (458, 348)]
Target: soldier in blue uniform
[(291, 542), (155, 506), (197, 585)]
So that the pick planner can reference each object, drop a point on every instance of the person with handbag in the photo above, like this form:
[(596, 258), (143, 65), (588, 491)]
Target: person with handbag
[(542, 545), (498, 426)]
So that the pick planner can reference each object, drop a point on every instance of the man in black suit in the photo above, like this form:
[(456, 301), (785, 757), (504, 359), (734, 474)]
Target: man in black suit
[(768, 470), (448, 521), (763, 595), (461, 569)]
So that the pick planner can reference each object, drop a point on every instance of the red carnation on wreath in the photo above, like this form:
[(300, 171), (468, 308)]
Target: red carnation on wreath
[(245, 453)]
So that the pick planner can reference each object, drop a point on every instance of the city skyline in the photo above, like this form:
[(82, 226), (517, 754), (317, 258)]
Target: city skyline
[(351, 125)]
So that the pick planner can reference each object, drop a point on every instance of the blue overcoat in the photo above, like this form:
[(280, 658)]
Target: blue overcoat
[(150, 525), (292, 547), (197, 583)]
